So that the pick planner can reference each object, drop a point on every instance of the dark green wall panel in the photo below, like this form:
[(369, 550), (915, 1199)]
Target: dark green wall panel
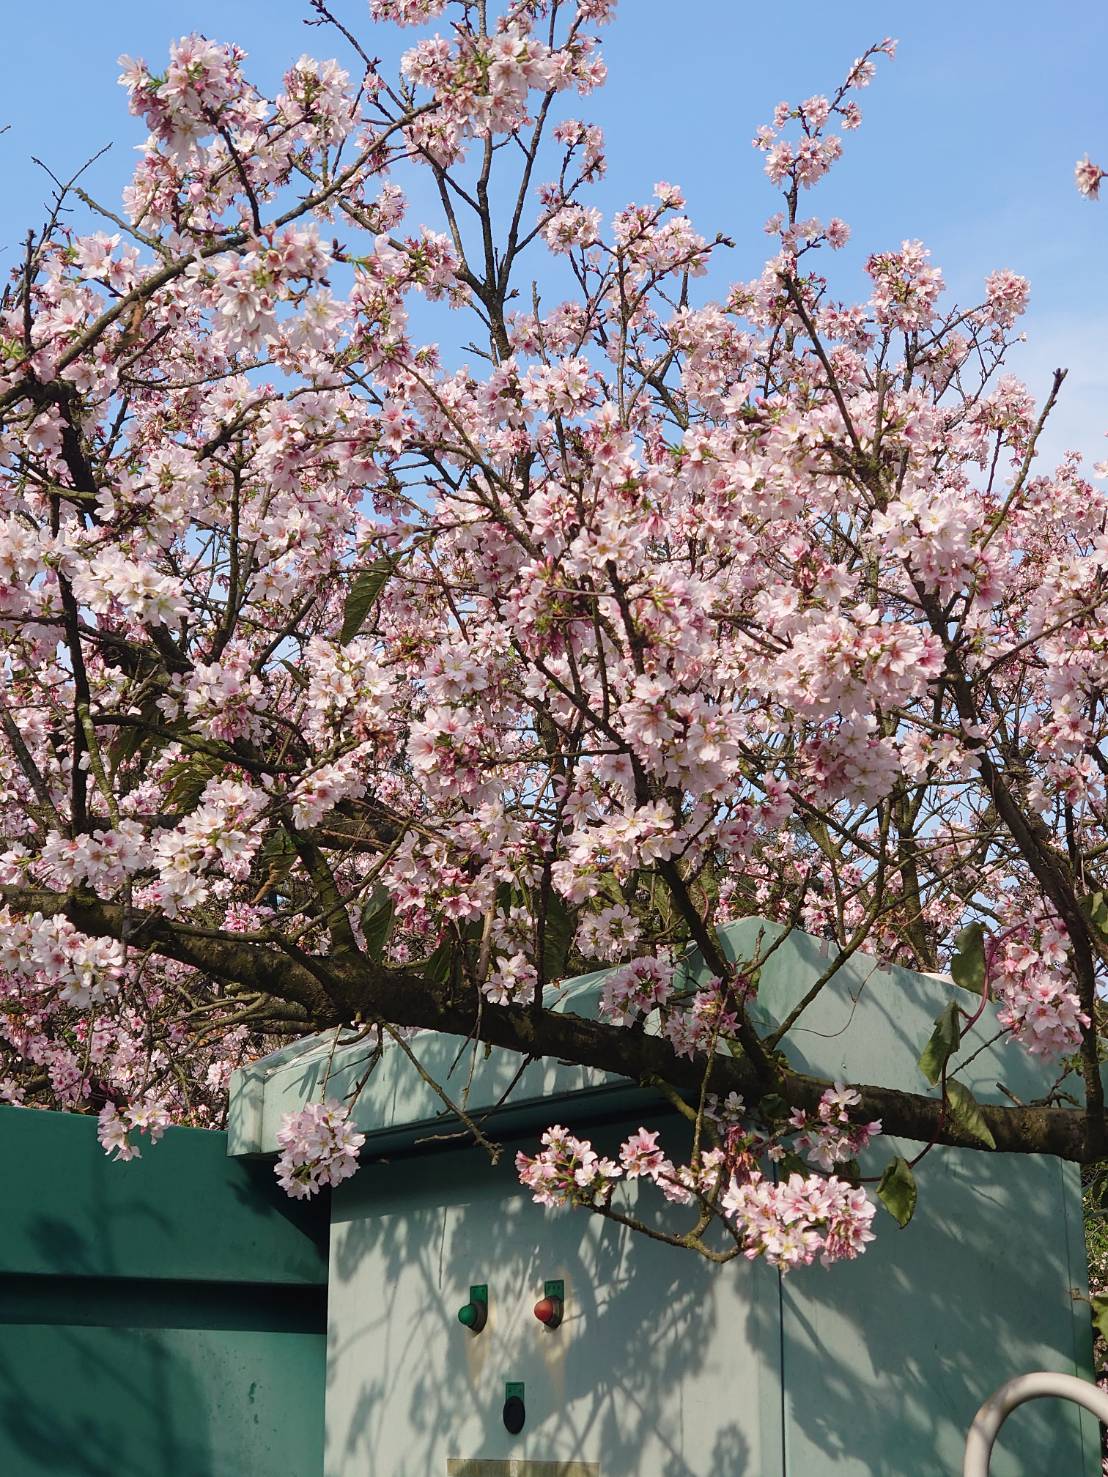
[(120, 1402), (161, 1318), (184, 1210)]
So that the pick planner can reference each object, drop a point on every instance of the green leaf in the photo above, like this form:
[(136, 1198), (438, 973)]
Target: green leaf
[(299, 677), (966, 1114), (1096, 909), (131, 740), (506, 896), (377, 923), (436, 968), (277, 854), (125, 746), (363, 591), (849, 1170), (942, 1045), (896, 1191), (773, 1108), (560, 926), (188, 777), (968, 965), (792, 1163), (1100, 1314)]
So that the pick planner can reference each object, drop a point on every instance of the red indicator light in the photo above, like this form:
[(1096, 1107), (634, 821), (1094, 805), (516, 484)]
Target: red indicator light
[(548, 1311)]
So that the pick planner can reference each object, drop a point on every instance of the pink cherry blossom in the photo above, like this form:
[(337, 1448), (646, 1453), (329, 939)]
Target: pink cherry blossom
[(1088, 177), (405, 611), (319, 1147)]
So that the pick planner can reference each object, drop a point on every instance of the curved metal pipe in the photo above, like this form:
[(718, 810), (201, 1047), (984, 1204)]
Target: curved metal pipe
[(989, 1419)]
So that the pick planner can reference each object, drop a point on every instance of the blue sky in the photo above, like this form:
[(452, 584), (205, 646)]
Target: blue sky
[(968, 142)]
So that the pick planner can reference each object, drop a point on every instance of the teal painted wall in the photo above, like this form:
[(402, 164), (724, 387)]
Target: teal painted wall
[(184, 1210), (162, 1318)]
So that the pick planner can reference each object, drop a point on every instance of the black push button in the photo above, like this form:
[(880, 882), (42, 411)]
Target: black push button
[(514, 1415)]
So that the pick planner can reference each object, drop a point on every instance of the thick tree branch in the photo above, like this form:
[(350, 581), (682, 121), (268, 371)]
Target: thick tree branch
[(404, 997)]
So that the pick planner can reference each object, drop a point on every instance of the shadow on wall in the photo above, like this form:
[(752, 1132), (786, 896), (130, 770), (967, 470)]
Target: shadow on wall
[(887, 1359), (157, 1319), (634, 1375), (677, 1370), (161, 1400), (92, 1402)]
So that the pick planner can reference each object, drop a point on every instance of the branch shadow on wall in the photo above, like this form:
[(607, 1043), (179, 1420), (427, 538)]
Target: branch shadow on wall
[(408, 1386)]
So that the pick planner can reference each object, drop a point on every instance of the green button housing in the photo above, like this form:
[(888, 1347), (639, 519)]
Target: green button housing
[(474, 1314)]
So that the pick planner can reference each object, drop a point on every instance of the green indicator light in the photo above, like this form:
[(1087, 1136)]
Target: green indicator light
[(474, 1314)]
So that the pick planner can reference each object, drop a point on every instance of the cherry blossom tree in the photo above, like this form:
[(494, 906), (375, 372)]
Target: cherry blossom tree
[(355, 683)]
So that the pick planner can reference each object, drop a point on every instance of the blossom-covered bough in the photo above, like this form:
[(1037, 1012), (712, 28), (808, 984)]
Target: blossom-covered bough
[(352, 683)]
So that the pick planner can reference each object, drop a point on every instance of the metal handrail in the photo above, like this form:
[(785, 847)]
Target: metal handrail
[(992, 1415)]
